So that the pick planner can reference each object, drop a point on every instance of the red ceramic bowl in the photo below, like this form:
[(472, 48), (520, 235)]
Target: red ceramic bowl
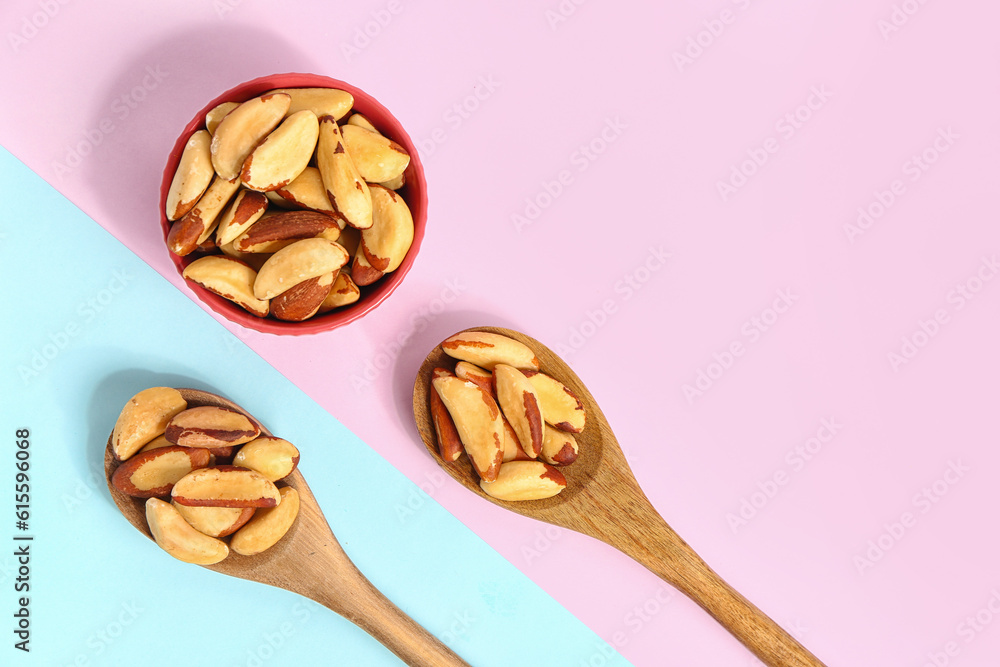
[(414, 193)]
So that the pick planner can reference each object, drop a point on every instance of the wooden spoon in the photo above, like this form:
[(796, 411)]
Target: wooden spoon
[(603, 499), (309, 561)]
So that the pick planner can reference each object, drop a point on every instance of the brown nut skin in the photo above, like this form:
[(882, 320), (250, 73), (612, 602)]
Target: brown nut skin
[(253, 260), (230, 278), (283, 154), (242, 129), (267, 525), (449, 442), (478, 421), (189, 232), (348, 192), (387, 241), (296, 263), (559, 448), (486, 350), (176, 536), (512, 449), (207, 247), (214, 454), (362, 271), (274, 458), (519, 403), (274, 232), (304, 300), (211, 426), (473, 373), (343, 293), (246, 209), (193, 176), (143, 418), (306, 191), (560, 405), (274, 198), (215, 521), (321, 101), (153, 473), (222, 452), (525, 480), (350, 238), (225, 486), (377, 158)]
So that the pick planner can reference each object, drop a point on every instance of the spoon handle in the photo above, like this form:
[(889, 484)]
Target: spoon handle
[(355, 598), (649, 540)]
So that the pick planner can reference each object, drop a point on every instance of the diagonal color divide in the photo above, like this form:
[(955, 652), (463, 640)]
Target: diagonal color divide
[(91, 325)]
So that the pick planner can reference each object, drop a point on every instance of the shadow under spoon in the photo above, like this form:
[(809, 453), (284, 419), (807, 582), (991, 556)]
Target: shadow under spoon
[(309, 561), (603, 499)]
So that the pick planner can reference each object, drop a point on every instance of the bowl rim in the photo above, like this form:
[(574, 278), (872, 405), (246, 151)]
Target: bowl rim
[(414, 193)]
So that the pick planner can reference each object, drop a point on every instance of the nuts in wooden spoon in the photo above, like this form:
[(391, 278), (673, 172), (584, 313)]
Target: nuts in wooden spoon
[(225, 486), (449, 440), (267, 525), (519, 402), (210, 426), (179, 539), (169, 451), (514, 422), (143, 418), (215, 521), (525, 480), (561, 406), (155, 472), (486, 350), (477, 420), (274, 458)]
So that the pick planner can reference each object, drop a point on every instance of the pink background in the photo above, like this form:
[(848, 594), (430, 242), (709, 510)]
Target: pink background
[(118, 81)]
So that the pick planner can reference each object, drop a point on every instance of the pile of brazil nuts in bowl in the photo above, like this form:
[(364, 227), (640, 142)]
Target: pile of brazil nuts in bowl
[(515, 423), (210, 476), (290, 207)]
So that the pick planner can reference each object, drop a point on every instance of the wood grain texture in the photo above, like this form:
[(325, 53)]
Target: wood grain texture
[(309, 561), (603, 499)]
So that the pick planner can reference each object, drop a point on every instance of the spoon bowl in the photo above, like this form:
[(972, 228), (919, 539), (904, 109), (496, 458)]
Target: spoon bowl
[(603, 499), (309, 561), (592, 468)]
